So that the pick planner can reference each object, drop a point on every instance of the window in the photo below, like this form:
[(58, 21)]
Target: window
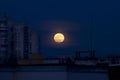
[(3, 30), (4, 45)]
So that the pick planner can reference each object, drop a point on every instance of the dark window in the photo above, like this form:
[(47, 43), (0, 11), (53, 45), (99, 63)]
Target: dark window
[(4, 51), (3, 30), (26, 56), (4, 45)]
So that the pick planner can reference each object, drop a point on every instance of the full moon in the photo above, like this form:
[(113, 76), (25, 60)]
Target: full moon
[(59, 37)]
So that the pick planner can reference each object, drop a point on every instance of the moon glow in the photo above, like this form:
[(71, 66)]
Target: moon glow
[(59, 38)]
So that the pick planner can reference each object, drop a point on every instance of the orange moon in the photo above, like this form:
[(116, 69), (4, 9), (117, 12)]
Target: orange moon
[(59, 38)]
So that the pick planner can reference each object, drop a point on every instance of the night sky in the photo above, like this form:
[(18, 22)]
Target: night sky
[(76, 19)]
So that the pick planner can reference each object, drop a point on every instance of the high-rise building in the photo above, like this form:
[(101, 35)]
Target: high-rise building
[(4, 40), (34, 40), (22, 41), (17, 42), (26, 42)]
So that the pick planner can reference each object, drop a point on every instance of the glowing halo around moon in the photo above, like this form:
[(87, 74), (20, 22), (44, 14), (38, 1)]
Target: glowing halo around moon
[(59, 38)]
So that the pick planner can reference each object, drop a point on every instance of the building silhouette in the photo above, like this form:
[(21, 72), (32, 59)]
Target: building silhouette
[(17, 41)]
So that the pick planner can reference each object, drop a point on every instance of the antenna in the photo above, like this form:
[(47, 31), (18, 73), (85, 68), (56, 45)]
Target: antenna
[(91, 36)]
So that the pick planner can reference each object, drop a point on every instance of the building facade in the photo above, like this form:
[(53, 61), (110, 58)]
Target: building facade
[(17, 42), (4, 40), (22, 41)]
